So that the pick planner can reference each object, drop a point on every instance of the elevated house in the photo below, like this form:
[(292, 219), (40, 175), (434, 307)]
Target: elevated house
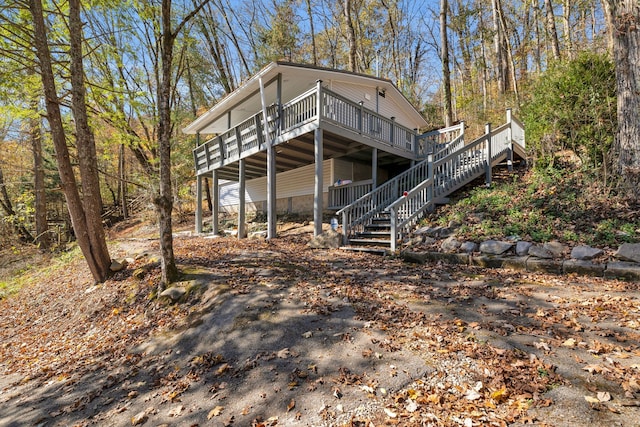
[(303, 138)]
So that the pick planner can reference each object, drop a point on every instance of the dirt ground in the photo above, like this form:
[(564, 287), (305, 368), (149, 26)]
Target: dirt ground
[(275, 333)]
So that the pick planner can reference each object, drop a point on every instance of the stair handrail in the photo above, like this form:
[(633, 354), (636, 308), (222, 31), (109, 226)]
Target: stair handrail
[(461, 165), (374, 202), (427, 143)]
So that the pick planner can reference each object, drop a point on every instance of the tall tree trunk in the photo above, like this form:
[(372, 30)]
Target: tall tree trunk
[(122, 188), (566, 24), (551, 30), (608, 16), (444, 58), (164, 200), (194, 113), (65, 169), (497, 47), (351, 36), (511, 64), (538, 49), (314, 52), (626, 19), (42, 229), (86, 146)]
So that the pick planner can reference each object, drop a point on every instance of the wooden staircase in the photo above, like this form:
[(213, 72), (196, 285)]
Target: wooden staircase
[(378, 221), (375, 237)]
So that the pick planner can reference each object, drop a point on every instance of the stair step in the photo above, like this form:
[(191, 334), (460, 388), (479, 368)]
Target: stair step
[(380, 226), (369, 242), (367, 249), (378, 220), (373, 234)]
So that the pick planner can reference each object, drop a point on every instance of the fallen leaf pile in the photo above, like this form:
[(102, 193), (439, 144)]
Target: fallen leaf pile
[(495, 342)]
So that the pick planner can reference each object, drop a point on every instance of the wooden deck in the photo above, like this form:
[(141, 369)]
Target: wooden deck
[(348, 127)]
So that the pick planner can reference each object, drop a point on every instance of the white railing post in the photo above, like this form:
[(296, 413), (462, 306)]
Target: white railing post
[(487, 170), (319, 100), (430, 189), (509, 141), (393, 214), (360, 116), (345, 237)]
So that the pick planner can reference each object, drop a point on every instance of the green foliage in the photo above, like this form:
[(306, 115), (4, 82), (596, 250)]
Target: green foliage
[(280, 41), (572, 106), (544, 205)]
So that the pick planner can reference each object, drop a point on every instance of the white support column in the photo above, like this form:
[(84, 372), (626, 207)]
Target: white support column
[(242, 232), (215, 202), (198, 204), (271, 191), (374, 168), (317, 194)]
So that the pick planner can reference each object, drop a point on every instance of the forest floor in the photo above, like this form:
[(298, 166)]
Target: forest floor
[(276, 333)]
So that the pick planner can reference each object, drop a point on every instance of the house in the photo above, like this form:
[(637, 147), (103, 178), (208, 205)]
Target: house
[(303, 138)]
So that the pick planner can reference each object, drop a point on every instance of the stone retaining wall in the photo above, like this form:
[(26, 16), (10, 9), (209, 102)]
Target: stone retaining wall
[(611, 270)]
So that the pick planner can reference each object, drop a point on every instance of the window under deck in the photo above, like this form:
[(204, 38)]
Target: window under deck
[(349, 130)]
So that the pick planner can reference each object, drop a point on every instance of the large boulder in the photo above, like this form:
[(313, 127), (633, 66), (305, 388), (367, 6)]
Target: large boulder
[(327, 240), (450, 244), (556, 248), (174, 293), (629, 252), (522, 248), (469, 247), (118, 265), (540, 252), (584, 252), (495, 247)]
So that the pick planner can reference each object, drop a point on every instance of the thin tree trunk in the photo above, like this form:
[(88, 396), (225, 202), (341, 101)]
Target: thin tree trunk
[(611, 29), (122, 188), (626, 19), (444, 58), (86, 146), (65, 169), (497, 47), (164, 200), (511, 65), (538, 50), (314, 51), (351, 36), (42, 228), (566, 23), (551, 30)]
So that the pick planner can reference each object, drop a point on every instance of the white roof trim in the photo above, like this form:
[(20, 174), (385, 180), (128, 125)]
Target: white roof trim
[(270, 71)]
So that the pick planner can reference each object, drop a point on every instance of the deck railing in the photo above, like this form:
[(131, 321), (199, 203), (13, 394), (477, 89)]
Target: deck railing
[(342, 195), (249, 136), (452, 171), (357, 214), (434, 141)]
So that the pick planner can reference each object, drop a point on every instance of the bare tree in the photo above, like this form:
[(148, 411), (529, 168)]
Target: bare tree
[(444, 58), (551, 30)]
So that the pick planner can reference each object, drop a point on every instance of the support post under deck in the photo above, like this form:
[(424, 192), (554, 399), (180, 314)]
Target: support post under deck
[(215, 199), (242, 231), (317, 194), (374, 168), (198, 204), (271, 191)]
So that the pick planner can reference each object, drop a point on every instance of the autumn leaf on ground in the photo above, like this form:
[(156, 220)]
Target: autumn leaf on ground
[(291, 405), (215, 412)]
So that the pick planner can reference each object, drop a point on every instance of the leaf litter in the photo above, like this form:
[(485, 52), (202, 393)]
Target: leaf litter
[(497, 343)]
